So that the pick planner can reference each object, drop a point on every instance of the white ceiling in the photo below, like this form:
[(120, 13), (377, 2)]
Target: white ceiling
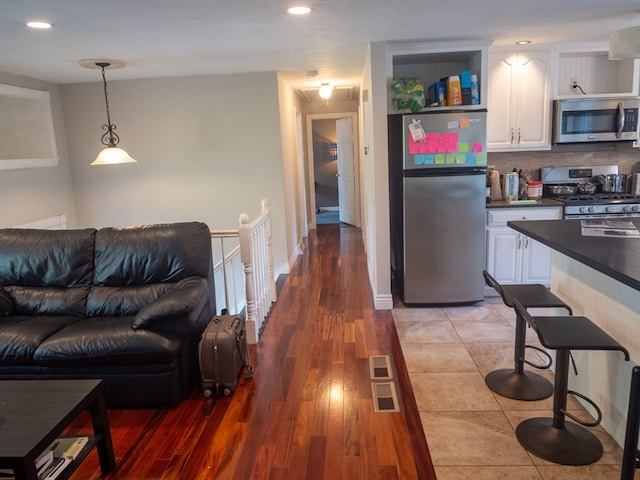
[(160, 38)]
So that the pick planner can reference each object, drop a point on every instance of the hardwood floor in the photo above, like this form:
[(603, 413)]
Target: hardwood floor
[(308, 411)]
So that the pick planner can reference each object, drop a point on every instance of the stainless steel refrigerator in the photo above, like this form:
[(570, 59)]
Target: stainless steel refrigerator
[(438, 175)]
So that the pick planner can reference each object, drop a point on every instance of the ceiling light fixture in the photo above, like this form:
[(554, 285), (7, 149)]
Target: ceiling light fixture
[(39, 25), (523, 42), (624, 44), (299, 10), (325, 91), (111, 154)]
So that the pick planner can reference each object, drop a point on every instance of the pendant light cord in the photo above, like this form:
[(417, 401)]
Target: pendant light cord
[(110, 138)]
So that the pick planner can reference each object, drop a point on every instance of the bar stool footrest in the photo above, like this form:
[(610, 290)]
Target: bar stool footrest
[(525, 386), (544, 353), (590, 402), (571, 445)]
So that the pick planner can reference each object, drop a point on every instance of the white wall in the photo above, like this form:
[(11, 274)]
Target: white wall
[(32, 194), (376, 176), (289, 104), (208, 149)]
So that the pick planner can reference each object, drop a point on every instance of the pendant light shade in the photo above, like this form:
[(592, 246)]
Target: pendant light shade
[(624, 44), (111, 154)]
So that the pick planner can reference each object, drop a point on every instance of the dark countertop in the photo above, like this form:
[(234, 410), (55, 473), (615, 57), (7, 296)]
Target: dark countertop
[(618, 258), (544, 202)]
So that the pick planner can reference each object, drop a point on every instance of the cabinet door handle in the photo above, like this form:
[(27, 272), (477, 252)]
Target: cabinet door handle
[(512, 135), (526, 242), (519, 244), (519, 135)]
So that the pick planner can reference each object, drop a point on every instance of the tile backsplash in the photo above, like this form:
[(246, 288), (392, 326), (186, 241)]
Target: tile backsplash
[(622, 154)]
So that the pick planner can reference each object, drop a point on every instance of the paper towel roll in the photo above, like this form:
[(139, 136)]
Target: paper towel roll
[(496, 189)]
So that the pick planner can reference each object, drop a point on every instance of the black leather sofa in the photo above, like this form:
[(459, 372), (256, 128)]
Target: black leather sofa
[(127, 305)]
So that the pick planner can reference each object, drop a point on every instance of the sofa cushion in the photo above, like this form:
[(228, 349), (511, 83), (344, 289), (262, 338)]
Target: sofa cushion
[(49, 300), (6, 304), (106, 341), (46, 258), (21, 335), (151, 254)]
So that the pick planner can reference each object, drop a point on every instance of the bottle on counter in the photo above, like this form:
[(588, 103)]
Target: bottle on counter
[(488, 189)]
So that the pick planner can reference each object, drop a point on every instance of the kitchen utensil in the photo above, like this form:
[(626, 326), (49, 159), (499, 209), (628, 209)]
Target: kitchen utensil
[(588, 188), (617, 183), (563, 189)]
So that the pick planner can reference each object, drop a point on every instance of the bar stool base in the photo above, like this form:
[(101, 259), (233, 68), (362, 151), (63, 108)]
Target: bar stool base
[(525, 386), (571, 445)]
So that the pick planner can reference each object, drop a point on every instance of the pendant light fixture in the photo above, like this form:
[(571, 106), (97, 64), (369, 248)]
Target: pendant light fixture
[(325, 91), (111, 154)]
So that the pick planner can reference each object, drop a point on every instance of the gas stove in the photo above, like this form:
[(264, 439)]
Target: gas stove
[(597, 205)]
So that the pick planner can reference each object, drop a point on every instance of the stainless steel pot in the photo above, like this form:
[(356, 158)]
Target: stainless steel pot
[(587, 188), (563, 189), (617, 183)]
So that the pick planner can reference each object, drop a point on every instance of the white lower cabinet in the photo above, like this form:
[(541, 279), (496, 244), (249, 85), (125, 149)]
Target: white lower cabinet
[(513, 257)]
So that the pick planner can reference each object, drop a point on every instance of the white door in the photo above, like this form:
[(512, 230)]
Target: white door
[(346, 186)]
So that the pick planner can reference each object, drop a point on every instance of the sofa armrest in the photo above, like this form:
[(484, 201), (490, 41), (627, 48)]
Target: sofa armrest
[(180, 301)]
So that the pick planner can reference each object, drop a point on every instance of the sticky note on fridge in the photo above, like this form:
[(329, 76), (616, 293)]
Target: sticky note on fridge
[(463, 147), (461, 158), (450, 159), (453, 124), (470, 158), (452, 137), (429, 159), (439, 158), (464, 122), (481, 159), (424, 147), (452, 147), (418, 160), (477, 147), (414, 148)]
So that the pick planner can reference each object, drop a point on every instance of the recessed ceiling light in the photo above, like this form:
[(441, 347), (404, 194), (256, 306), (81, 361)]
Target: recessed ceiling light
[(299, 10), (523, 42), (39, 25)]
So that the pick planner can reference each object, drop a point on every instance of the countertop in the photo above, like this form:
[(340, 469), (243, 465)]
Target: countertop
[(618, 258), (544, 202)]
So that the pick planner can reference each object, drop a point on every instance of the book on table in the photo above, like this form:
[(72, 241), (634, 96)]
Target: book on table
[(55, 458)]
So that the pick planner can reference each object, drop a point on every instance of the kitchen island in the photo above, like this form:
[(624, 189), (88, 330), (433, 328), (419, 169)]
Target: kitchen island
[(600, 278)]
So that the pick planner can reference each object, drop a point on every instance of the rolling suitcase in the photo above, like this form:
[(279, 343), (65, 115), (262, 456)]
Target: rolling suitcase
[(223, 352)]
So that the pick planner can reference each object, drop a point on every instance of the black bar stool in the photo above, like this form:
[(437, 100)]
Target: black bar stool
[(631, 454), (553, 439), (516, 383)]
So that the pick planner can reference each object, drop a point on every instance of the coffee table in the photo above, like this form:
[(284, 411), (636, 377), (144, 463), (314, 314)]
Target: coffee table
[(33, 413)]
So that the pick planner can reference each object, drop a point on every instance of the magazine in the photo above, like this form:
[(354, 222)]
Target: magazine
[(610, 228)]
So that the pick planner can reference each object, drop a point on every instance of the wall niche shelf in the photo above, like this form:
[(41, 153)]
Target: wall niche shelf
[(431, 61), (595, 73)]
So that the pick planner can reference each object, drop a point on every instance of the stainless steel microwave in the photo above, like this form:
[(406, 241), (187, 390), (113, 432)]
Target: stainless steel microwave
[(595, 120)]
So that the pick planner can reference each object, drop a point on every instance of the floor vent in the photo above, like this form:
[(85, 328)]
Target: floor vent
[(385, 397), (380, 367)]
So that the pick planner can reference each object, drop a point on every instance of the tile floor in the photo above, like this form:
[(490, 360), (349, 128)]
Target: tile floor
[(470, 430)]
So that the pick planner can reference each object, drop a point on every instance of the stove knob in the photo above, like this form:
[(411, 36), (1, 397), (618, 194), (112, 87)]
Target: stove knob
[(591, 209), (635, 208), (626, 209), (609, 209), (583, 209)]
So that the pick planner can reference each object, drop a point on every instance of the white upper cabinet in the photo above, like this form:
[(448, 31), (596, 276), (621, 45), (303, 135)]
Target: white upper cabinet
[(518, 101)]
